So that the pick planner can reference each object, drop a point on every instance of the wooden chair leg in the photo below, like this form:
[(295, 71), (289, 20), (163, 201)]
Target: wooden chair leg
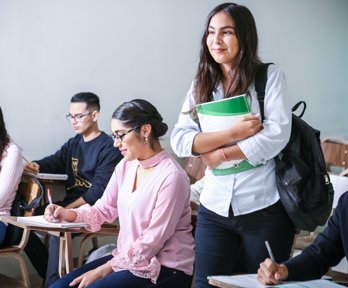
[(23, 269)]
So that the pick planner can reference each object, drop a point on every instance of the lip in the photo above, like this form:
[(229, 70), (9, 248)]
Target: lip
[(218, 50)]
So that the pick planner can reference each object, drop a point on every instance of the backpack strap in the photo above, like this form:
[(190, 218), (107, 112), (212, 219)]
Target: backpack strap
[(297, 105), (260, 85)]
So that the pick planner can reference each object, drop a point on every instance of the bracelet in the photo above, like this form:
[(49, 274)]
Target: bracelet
[(224, 155)]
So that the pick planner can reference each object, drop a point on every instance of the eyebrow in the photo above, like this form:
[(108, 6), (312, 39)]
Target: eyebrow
[(224, 27), (118, 131)]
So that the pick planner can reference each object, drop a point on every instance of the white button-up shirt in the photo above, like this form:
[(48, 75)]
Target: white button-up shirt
[(253, 189)]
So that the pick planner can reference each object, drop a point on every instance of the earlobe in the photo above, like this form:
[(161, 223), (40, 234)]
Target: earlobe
[(95, 116), (146, 129)]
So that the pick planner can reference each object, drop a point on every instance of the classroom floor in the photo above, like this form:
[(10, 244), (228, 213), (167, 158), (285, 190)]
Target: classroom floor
[(9, 266)]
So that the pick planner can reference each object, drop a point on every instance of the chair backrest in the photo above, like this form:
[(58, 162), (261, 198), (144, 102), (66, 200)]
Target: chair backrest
[(30, 191), (335, 153)]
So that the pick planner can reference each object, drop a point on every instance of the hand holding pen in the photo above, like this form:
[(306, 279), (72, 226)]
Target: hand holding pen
[(56, 213), (270, 272), (50, 209)]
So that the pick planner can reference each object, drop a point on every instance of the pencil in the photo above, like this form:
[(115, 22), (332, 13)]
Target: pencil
[(26, 160)]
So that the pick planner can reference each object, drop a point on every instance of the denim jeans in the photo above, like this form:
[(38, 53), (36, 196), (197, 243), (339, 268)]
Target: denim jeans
[(235, 244), (3, 228), (168, 278), (52, 273)]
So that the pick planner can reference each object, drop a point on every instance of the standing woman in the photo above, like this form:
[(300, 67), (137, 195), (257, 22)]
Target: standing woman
[(11, 169), (242, 210), (149, 192)]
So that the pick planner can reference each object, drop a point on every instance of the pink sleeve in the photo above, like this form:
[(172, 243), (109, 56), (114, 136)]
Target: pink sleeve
[(104, 210)]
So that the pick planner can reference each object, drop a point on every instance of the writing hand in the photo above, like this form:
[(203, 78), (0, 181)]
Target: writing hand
[(33, 167), (50, 211), (271, 273), (56, 213)]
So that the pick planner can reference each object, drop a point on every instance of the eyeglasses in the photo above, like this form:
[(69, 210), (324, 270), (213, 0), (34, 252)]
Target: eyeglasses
[(77, 117), (120, 137)]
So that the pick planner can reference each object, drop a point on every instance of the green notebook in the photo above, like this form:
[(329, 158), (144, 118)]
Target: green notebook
[(220, 115)]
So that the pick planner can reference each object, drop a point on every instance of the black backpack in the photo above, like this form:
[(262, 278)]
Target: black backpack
[(303, 183)]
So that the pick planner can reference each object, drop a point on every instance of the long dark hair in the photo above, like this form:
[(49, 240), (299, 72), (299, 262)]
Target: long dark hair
[(4, 137), (209, 72), (138, 112)]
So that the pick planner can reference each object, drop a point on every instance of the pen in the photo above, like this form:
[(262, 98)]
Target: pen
[(271, 255), (270, 251), (26, 160), (49, 197)]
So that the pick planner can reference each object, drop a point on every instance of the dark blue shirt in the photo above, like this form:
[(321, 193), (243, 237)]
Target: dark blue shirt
[(89, 166), (328, 248)]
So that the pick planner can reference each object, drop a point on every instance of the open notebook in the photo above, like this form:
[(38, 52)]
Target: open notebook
[(41, 222), (250, 281)]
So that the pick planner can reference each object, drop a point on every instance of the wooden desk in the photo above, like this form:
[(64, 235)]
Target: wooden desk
[(64, 234)]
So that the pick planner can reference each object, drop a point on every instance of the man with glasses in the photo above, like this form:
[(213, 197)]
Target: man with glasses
[(88, 159)]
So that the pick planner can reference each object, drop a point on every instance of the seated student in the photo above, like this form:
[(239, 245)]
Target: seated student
[(149, 193), (88, 159), (11, 169), (326, 251)]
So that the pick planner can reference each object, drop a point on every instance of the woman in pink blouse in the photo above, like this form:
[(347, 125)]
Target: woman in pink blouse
[(150, 194), (11, 169)]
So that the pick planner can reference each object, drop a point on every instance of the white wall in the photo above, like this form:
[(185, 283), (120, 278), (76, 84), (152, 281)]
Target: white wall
[(52, 49)]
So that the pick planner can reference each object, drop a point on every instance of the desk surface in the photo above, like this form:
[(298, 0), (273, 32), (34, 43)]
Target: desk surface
[(13, 220), (64, 234)]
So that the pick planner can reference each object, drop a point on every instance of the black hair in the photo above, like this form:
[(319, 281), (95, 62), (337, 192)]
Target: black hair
[(91, 99), (138, 112)]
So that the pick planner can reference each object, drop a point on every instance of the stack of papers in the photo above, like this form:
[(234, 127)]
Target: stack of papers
[(250, 281), (48, 176), (40, 221)]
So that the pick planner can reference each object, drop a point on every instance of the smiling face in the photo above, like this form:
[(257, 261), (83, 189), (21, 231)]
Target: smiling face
[(132, 145), (222, 41)]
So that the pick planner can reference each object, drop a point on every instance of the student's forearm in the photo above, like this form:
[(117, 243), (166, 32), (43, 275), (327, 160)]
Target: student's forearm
[(209, 141)]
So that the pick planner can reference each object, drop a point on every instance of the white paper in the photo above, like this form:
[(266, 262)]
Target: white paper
[(41, 222), (250, 281), (340, 185), (48, 176)]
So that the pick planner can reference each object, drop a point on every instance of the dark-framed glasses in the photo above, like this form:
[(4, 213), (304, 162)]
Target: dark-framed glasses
[(119, 137), (77, 117)]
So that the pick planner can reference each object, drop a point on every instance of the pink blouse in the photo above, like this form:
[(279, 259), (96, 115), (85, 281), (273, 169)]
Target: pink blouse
[(155, 219), (11, 169)]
